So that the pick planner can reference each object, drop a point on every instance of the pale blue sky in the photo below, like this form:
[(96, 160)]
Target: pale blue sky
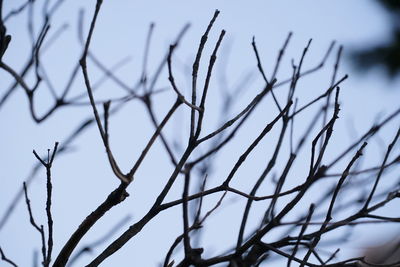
[(82, 178)]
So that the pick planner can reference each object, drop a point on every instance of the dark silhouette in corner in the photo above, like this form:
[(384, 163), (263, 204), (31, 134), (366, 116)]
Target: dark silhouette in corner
[(387, 53)]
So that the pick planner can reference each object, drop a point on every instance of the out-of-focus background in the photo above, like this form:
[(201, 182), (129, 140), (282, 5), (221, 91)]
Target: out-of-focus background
[(82, 177)]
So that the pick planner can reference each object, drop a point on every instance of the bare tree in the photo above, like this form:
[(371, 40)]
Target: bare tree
[(304, 203)]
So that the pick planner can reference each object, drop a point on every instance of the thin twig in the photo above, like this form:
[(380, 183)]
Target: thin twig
[(195, 70), (34, 224), (4, 258), (114, 166), (378, 177), (173, 84)]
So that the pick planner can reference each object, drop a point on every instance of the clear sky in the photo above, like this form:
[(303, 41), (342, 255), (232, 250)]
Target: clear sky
[(82, 177)]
